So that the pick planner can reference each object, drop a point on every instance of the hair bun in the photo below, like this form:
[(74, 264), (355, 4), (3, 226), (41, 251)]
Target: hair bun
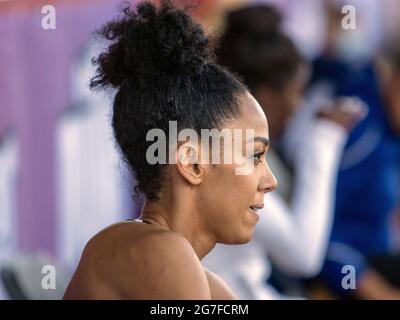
[(148, 43)]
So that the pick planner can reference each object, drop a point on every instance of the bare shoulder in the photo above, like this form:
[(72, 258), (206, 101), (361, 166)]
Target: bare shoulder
[(219, 289), (134, 261), (169, 266)]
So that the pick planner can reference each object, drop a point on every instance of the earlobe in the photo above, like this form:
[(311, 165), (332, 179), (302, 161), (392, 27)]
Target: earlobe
[(188, 164)]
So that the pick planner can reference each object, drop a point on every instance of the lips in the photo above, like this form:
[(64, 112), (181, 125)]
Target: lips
[(256, 207)]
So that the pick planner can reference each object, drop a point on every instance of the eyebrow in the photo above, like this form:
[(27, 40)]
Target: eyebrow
[(262, 139)]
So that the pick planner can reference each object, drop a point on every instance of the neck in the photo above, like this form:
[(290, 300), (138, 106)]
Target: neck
[(181, 218)]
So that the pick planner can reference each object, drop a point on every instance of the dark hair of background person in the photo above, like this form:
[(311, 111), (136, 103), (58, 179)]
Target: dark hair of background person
[(253, 46), (161, 65)]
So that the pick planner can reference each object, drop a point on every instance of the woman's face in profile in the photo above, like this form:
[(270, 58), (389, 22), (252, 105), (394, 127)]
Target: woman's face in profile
[(231, 193)]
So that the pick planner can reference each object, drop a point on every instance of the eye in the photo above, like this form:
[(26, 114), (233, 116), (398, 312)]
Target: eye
[(257, 157)]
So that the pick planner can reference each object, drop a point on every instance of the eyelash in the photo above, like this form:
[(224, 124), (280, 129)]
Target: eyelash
[(257, 157)]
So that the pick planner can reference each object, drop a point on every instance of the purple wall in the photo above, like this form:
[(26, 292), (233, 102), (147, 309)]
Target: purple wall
[(34, 87)]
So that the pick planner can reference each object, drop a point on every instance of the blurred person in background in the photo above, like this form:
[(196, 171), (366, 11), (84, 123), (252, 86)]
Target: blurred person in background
[(389, 68), (294, 229), (368, 181), (390, 74)]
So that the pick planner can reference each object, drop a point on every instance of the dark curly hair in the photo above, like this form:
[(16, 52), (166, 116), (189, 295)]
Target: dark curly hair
[(253, 46), (163, 69)]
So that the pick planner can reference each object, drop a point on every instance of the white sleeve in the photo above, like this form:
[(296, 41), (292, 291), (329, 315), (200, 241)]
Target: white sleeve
[(296, 236)]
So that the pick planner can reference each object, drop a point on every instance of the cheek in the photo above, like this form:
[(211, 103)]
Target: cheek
[(241, 193), (230, 191), (228, 198), (247, 187)]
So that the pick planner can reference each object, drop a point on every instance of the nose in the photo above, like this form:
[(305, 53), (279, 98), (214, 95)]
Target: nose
[(268, 181)]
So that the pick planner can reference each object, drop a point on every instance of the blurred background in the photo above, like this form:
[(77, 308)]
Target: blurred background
[(62, 179)]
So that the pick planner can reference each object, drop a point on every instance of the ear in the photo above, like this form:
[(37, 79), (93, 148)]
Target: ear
[(188, 163)]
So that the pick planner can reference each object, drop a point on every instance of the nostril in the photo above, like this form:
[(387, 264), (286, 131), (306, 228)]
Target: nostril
[(268, 183), (272, 187), (269, 189)]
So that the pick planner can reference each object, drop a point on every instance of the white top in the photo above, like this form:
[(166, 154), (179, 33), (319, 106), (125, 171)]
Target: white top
[(294, 237)]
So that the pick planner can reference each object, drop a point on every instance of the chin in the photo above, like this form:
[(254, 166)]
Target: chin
[(244, 236), (237, 235)]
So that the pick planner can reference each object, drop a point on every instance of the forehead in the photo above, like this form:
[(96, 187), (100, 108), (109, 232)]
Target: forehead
[(252, 116)]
